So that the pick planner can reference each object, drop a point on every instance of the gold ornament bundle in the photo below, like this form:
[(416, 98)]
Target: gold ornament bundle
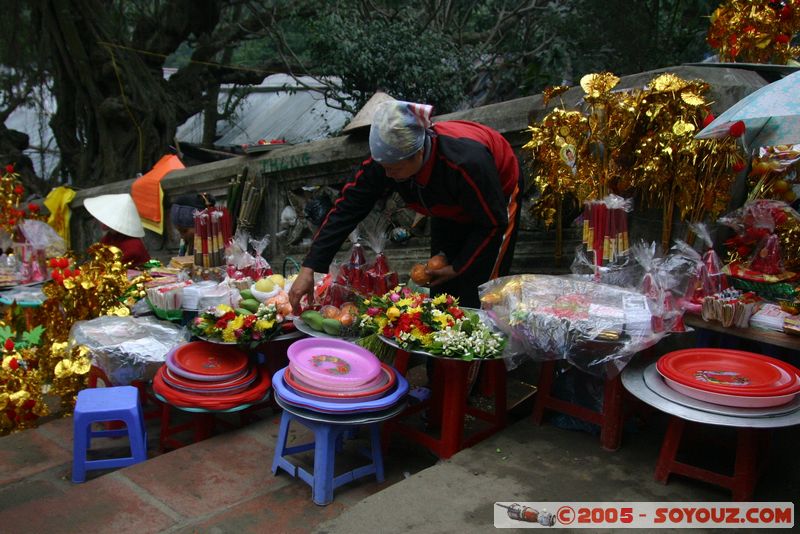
[(755, 31), (634, 143)]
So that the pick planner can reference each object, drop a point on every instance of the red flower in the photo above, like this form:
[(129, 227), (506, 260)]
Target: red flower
[(221, 323), (63, 262), (53, 263), (249, 320), (9, 345), (782, 38), (76, 272), (67, 273), (19, 189), (33, 208), (10, 168), (14, 364), (457, 313), (737, 129), (28, 404)]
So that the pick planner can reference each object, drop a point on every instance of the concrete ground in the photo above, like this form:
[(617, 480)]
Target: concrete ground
[(224, 484)]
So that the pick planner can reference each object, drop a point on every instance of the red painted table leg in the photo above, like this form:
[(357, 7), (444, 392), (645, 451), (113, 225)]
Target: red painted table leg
[(401, 361), (544, 388), (611, 428), (745, 470), (454, 403), (669, 448)]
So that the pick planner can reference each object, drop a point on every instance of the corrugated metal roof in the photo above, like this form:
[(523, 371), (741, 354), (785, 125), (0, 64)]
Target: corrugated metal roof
[(278, 108)]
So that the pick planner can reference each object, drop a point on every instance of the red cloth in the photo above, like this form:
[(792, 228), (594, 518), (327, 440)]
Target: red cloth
[(133, 249)]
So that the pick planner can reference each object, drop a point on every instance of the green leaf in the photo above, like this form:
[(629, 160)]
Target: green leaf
[(34, 336), (5, 333)]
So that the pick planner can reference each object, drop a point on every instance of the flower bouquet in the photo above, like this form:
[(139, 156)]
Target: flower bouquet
[(435, 325), (222, 324)]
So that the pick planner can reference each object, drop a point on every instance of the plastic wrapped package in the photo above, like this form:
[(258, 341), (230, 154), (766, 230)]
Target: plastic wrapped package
[(241, 263), (41, 236), (713, 280), (127, 348), (626, 272), (596, 327), (378, 278)]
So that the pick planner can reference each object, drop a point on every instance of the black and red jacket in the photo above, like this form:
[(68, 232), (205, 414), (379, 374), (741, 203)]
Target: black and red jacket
[(469, 177)]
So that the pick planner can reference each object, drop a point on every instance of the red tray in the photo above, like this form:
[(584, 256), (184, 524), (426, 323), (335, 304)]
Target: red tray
[(730, 372), (212, 402), (177, 381), (210, 359)]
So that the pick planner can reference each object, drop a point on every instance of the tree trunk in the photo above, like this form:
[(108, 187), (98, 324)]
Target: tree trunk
[(114, 117)]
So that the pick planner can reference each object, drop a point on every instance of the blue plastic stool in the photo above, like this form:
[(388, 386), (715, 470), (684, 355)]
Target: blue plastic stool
[(96, 405), (328, 439)]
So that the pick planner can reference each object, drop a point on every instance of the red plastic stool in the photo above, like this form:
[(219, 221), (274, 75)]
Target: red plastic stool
[(750, 445), (609, 420), (448, 405)]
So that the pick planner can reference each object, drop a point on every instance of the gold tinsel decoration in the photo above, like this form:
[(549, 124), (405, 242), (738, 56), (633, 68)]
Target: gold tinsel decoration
[(101, 288), (634, 143), (755, 31), (21, 402)]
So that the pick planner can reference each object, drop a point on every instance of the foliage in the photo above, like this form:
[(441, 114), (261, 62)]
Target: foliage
[(394, 56)]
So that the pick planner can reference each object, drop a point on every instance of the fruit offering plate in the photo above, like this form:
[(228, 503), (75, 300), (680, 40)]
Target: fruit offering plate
[(302, 326), (730, 372), (333, 361)]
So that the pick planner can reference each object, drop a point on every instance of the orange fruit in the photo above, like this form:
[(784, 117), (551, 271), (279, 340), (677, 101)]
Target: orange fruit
[(437, 262), (419, 274), (330, 312)]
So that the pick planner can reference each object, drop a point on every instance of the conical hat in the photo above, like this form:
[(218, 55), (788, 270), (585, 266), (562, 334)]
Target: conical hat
[(118, 212), (364, 117)]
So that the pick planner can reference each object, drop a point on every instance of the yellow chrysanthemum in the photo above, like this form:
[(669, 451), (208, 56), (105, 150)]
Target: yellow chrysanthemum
[(439, 299), (228, 335), (393, 313), (224, 308), (442, 320), (236, 323), (404, 303), (381, 322), (264, 324)]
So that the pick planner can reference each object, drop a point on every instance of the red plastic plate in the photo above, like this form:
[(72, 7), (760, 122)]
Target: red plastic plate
[(211, 402), (730, 372), (383, 384), (210, 359)]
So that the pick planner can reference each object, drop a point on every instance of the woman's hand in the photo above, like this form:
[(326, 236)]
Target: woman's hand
[(302, 286), (440, 276)]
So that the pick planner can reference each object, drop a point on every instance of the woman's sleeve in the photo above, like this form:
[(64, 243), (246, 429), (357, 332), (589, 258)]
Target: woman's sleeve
[(357, 198)]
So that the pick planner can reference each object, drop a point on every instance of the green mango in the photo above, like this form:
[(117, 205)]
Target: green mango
[(332, 326), (249, 304), (242, 311), (313, 319), (246, 295)]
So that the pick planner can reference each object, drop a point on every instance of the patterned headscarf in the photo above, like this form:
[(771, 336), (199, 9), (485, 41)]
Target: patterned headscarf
[(398, 130)]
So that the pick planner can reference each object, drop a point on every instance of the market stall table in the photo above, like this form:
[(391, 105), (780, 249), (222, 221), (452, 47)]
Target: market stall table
[(752, 429), (448, 403)]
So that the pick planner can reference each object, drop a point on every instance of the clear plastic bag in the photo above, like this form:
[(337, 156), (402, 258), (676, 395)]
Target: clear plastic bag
[(127, 348), (596, 327), (378, 278)]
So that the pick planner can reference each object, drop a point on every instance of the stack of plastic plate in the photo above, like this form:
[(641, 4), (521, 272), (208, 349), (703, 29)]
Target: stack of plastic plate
[(730, 377), (336, 376), (208, 375)]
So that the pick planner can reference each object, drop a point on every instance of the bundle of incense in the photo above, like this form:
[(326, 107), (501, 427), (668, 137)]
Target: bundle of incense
[(216, 238), (204, 231), (198, 246)]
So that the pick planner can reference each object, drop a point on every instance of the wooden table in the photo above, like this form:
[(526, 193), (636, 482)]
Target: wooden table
[(758, 335)]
